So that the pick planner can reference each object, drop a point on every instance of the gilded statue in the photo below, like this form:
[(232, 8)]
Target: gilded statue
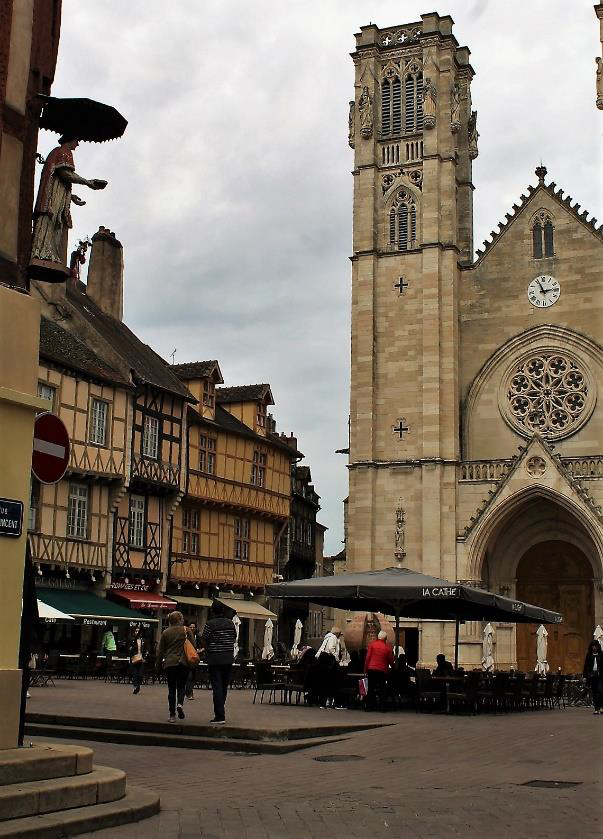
[(365, 113), (52, 212)]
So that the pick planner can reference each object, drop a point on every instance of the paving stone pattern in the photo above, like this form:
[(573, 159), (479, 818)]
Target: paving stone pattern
[(428, 776)]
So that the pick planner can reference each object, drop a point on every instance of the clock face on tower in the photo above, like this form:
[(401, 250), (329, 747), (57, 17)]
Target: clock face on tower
[(543, 291)]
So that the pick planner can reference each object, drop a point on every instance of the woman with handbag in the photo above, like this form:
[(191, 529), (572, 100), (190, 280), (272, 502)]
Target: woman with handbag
[(175, 654), (138, 653)]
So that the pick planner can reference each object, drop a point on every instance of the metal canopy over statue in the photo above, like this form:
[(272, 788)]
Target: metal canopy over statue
[(76, 120)]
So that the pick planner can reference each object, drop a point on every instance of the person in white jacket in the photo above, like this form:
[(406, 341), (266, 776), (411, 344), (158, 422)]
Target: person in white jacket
[(328, 658)]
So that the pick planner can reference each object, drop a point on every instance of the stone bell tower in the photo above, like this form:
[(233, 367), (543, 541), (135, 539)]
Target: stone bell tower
[(414, 136)]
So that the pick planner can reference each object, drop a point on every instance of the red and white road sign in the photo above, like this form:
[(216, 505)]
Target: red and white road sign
[(50, 448)]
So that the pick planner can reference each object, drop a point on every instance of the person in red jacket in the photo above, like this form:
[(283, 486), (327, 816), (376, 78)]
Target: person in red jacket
[(379, 658)]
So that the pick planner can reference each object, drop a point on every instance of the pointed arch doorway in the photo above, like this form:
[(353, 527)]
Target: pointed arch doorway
[(557, 575), (540, 549)]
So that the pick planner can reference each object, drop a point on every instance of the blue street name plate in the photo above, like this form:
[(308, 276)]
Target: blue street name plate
[(11, 517)]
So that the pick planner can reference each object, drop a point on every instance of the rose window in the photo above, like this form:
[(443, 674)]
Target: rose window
[(549, 393)]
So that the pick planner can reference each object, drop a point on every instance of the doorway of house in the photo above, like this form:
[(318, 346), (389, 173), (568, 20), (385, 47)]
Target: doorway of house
[(558, 576)]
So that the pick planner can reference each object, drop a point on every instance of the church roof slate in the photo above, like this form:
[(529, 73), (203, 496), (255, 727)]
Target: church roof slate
[(557, 195)]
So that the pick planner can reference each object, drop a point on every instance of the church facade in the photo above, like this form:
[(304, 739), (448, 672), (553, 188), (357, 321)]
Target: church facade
[(476, 423)]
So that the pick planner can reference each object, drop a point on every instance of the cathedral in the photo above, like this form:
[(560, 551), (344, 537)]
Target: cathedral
[(476, 431)]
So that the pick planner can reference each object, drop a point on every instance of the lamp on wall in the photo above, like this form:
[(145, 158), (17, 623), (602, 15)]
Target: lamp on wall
[(67, 574), (126, 581), (197, 586), (38, 569), (179, 586), (92, 577)]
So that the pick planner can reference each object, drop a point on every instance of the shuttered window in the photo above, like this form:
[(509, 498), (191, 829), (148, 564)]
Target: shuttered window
[(537, 241), (386, 105), (543, 245), (548, 239), (403, 226), (413, 103)]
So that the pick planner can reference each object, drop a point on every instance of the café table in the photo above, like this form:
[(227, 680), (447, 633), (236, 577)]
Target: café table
[(446, 682)]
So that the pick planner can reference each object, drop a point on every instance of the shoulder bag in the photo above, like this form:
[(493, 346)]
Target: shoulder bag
[(191, 656)]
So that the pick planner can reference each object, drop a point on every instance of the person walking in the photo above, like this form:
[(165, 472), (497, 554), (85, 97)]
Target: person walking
[(218, 640), (379, 658), (138, 653), (170, 657), (593, 673), (328, 657), (108, 648)]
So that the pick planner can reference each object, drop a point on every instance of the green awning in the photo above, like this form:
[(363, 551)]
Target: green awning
[(90, 610)]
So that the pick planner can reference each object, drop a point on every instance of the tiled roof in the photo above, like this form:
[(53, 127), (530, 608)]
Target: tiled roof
[(61, 347), (145, 364), (226, 421), (525, 199), (245, 393), (196, 370)]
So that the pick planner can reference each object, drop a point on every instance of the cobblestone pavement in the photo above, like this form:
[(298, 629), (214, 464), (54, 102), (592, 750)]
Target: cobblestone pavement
[(427, 776)]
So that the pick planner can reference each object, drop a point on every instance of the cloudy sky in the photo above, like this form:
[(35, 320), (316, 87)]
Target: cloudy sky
[(231, 188)]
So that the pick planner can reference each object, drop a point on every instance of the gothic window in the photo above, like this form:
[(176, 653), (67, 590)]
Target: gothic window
[(542, 236), (402, 101), (403, 222)]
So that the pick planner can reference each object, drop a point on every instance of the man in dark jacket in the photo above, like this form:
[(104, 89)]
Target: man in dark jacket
[(218, 639), (593, 673)]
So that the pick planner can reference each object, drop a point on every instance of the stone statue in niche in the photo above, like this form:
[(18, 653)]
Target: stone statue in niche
[(599, 62), (365, 113), (352, 124), (52, 212), (455, 109), (473, 135), (399, 536), (429, 104)]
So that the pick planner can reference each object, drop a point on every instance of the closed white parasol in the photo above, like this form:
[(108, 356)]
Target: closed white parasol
[(487, 648), (296, 638), (598, 634), (268, 651), (237, 625), (542, 665)]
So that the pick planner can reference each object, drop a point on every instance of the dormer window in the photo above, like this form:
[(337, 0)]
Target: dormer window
[(209, 393), (261, 415)]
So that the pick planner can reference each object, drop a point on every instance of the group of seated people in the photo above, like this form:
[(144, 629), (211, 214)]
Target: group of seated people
[(324, 681)]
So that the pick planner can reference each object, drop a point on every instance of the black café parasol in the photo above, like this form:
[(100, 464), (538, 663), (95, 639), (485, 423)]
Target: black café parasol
[(85, 119), (409, 594)]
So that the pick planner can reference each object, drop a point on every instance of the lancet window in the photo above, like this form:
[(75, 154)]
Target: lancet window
[(402, 101), (403, 222), (543, 245)]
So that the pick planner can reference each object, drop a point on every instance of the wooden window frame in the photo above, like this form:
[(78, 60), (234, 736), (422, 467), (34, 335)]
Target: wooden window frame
[(191, 530), (242, 540), (149, 422), (53, 395), (137, 522), (207, 453), (75, 502), (209, 393), (258, 468), (93, 425), (262, 415)]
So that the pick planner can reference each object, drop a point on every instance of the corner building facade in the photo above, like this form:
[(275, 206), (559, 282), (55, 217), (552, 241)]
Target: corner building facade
[(476, 439)]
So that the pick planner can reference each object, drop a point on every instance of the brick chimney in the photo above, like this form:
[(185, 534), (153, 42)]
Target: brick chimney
[(105, 282)]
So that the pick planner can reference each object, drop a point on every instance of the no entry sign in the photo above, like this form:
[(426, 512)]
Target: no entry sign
[(50, 449)]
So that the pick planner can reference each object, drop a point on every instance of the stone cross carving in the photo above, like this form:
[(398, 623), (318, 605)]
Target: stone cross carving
[(399, 533), (473, 135), (365, 112), (599, 62), (429, 103), (401, 285), (352, 124), (401, 428), (455, 109)]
